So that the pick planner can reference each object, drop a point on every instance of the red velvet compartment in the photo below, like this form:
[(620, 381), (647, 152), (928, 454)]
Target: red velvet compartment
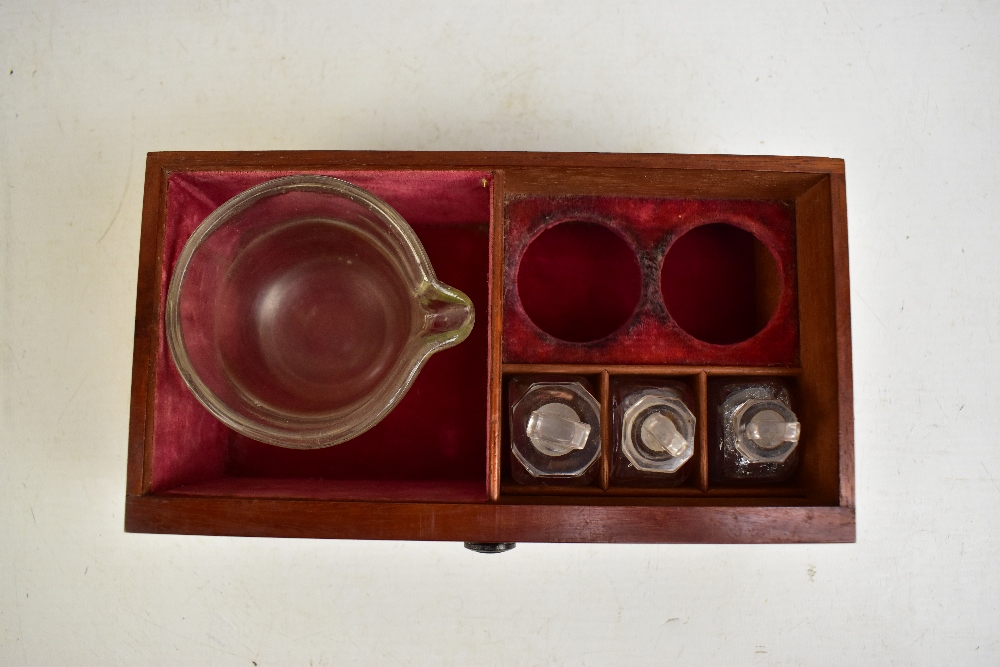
[(436, 434), (722, 281), (593, 270), (717, 264)]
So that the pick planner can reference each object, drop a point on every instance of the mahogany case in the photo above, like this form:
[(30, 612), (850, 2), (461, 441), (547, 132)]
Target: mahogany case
[(695, 268)]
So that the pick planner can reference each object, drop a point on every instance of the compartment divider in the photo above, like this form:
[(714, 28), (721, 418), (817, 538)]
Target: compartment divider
[(494, 445), (635, 369), (782, 491), (605, 391), (701, 389), (754, 370), (594, 369)]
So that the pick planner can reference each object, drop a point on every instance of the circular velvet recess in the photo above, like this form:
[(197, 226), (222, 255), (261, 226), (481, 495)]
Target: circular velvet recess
[(720, 284), (579, 281)]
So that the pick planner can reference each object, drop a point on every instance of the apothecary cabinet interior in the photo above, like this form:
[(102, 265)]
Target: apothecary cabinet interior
[(699, 269)]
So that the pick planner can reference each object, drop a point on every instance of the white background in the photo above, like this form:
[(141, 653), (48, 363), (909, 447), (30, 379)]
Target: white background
[(907, 92)]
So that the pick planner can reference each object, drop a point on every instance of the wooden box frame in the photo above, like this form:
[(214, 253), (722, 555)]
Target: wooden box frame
[(825, 512)]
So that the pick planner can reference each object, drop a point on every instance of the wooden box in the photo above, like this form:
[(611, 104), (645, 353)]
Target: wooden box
[(438, 467)]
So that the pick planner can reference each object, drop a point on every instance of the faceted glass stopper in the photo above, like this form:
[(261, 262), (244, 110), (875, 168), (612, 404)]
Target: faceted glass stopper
[(769, 430), (555, 429), (660, 435)]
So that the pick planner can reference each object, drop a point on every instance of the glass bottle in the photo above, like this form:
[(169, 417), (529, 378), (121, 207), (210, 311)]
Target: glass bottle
[(756, 434), (654, 433), (555, 430)]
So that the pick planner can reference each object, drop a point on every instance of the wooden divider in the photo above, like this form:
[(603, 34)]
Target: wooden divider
[(605, 391), (702, 430), (496, 412)]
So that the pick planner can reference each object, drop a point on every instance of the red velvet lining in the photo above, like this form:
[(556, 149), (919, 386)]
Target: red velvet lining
[(651, 335), (437, 432)]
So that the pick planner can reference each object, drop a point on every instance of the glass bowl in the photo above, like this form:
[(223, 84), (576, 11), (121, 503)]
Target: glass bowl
[(301, 311)]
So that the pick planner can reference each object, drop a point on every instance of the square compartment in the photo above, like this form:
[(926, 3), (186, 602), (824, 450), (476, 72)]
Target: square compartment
[(810, 448), (623, 475), (595, 473), (430, 447)]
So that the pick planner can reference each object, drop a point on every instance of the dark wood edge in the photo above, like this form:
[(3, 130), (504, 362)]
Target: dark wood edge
[(156, 317), (146, 325), (279, 160), (845, 373), (488, 522), (493, 444)]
